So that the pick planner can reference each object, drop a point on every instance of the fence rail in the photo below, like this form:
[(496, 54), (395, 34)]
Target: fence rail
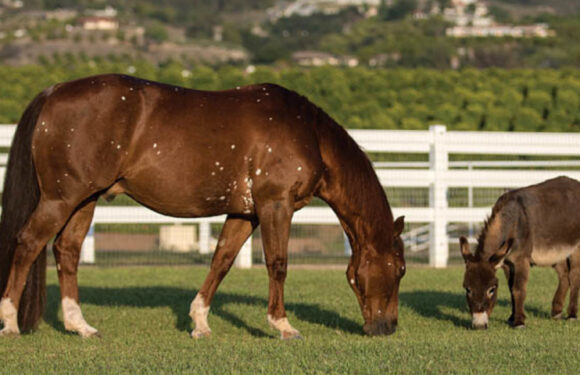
[(438, 175)]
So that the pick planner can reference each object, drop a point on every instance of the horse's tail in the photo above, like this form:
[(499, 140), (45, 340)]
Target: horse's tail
[(19, 199)]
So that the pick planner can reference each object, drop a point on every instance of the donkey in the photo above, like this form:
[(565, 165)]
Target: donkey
[(534, 225)]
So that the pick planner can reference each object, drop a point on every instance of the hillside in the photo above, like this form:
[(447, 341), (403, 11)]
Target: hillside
[(242, 32)]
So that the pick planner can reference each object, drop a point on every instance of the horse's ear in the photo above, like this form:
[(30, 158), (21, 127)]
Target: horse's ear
[(464, 247), (399, 225), (497, 259)]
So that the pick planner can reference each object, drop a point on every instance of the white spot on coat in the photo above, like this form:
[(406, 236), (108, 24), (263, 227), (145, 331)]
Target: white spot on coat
[(223, 197), (233, 147), (299, 169), (258, 171), (154, 145), (217, 163), (123, 98)]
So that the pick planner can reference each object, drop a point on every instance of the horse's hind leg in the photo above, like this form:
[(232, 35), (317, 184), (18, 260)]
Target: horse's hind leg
[(275, 218), (234, 233), (574, 276), (67, 249), (46, 220), (560, 295)]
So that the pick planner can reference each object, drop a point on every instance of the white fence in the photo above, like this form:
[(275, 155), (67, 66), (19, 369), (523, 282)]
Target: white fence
[(438, 175)]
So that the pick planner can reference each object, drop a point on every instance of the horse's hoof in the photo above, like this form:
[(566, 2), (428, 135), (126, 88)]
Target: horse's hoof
[(199, 334), (295, 335), (573, 317), (557, 316), (95, 334), (7, 332), (519, 326)]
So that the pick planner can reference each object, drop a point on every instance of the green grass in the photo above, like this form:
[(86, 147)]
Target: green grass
[(142, 313)]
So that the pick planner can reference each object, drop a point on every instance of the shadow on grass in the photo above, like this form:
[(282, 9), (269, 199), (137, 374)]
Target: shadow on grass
[(179, 301), (429, 304)]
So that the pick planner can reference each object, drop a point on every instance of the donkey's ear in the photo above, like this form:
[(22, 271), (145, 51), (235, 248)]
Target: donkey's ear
[(399, 225), (497, 259), (464, 247)]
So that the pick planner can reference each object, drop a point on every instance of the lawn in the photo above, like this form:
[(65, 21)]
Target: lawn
[(142, 313)]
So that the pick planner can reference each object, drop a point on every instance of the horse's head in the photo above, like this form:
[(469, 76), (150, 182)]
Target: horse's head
[(480, 282), (375, 282)]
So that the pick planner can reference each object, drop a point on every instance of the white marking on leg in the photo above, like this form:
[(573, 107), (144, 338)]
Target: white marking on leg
[(199, 312), (283, 325), (479, 319), (9, 315), (73, 318)]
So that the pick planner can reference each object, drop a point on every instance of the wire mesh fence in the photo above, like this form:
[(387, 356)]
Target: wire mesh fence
[(409, 180)]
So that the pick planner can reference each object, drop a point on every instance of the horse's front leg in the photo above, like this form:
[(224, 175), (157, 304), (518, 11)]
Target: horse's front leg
[(521, 272), (67, 249), (563, 285), (234, 233), (275, 218)]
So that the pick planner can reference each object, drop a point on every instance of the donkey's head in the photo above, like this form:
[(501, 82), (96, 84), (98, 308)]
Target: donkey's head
[(480, 282), (375, 282)]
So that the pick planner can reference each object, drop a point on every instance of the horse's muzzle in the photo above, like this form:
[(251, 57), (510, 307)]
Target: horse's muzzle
[(380, 328)]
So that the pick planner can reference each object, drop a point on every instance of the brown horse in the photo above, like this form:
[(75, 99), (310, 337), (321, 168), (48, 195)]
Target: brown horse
[(535, 225), (255, 153)]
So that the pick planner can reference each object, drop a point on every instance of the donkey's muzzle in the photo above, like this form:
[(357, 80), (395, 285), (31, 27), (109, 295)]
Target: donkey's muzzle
[(380, 328)]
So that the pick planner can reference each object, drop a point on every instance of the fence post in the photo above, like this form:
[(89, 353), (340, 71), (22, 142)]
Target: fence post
[(204, 236), (439, 161), (88, 247), (244, 258)]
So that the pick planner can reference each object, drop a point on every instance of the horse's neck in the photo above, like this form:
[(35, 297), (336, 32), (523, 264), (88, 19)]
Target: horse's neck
[(351, 187)]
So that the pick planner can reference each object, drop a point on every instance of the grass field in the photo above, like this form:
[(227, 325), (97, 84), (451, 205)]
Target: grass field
[(142, 313)]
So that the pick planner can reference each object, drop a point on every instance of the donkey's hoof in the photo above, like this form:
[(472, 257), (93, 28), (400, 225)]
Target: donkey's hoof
[(200, 334), (9, 332), (557, 316), (291, 335)]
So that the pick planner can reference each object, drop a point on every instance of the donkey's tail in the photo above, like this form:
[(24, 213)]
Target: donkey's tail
[(19, 199)]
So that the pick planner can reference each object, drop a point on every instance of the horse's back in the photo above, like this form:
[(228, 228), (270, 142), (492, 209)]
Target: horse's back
[(181, 152)]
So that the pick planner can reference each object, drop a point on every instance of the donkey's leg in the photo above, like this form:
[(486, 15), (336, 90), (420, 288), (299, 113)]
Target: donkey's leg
[(45, 222), (275, 218), (574, 277), (67, 250), (508, 269), (521, 273), (234, 233), (560, 295)]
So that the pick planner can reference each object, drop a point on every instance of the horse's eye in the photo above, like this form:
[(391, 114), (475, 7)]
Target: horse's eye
[(468, 291), (491, 291)]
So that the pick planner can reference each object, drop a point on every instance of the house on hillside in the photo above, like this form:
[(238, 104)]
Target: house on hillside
[(318, 58), (94, 23), (305, 8)]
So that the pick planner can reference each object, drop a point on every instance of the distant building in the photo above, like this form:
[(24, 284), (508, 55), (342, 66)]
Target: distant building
[(317, 58), (305, 8), (539, 30), (471, 19), (99, 23)]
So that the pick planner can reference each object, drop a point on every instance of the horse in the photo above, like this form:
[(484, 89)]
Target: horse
[(535, 225), (255, 153)]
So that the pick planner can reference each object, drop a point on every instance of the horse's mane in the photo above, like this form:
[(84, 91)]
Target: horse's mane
[(356, 171)]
